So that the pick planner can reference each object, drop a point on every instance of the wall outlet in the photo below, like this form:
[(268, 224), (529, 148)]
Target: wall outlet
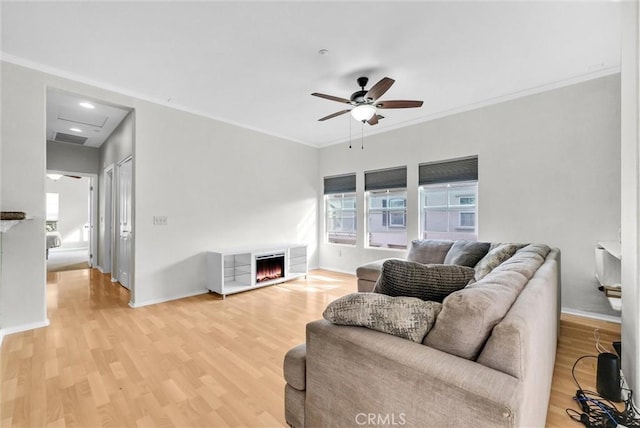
[(160, 220)]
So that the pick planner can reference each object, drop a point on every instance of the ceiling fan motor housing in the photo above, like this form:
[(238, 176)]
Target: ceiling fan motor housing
[(358, 96)]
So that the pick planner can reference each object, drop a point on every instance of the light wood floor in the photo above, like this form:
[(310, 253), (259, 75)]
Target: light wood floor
[(200, 361)]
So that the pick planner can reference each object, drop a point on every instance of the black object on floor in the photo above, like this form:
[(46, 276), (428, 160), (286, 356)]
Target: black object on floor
[(618, 347), (608, 377)]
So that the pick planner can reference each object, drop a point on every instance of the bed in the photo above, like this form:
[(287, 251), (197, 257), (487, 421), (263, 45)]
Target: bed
[(54, 239)]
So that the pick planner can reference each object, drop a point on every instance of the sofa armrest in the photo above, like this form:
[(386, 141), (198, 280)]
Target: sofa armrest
[(295, 367), (353, 371)]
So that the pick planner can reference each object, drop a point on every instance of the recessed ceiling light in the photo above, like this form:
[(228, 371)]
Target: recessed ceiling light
[(75, 129), (87, 105)]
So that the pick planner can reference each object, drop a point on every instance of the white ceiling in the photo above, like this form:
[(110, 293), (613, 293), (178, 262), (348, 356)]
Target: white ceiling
[(67, 117), (255, 64)]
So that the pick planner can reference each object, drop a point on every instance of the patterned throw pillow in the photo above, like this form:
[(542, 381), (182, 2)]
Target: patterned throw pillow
[(493, 259), (406, 317), (427, 282)]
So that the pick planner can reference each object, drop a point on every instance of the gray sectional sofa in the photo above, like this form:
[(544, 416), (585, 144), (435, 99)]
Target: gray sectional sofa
[(487, 362)]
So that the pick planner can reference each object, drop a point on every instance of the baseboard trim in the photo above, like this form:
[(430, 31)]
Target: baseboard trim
[(20, 328), (337, 270), (592, 315), (166, 299)]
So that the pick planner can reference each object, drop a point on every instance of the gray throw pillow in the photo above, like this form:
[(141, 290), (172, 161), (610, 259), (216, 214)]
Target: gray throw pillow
[(427, 282), (493, 259), (466, 253), (428, 251), (406, 317)]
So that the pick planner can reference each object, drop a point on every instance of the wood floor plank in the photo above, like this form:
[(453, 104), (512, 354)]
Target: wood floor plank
[(200, 361)]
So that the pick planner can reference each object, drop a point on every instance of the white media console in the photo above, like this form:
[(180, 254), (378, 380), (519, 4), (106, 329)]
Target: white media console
[(235, 271)]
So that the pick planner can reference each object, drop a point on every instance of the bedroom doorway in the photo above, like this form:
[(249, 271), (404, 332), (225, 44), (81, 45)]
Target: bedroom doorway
[(70, 222)]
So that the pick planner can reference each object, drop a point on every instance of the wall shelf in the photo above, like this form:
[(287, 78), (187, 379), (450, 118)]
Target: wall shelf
[(608, 270), (234, 271), (8, 224)]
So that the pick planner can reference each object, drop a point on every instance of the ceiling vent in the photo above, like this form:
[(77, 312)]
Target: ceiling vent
[(61, 137)]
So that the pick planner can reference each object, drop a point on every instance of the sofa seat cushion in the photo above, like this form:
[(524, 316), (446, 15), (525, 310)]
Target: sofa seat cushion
[(406, 317), (427, 282), (295, 367), (466, 253), (370, 271), (469, 315), (429, 251)]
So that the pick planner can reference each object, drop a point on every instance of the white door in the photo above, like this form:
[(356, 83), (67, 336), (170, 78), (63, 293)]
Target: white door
[(125, 226), (106, 223), (93, 239)]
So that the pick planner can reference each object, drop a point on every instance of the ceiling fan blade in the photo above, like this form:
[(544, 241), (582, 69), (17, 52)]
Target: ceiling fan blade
[(332, 98), (333, 115), (399, 104), (373, 120), (73, 176), (379, 88)]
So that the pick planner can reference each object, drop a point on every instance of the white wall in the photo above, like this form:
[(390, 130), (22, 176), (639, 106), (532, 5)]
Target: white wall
[(630, 195), (549, 168), (22, 285), (72, 158), (219, 185), (73, 210)]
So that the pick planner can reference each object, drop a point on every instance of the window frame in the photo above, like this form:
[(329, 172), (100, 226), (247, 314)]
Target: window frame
[(387, 213), (342, 210), (449, 207)]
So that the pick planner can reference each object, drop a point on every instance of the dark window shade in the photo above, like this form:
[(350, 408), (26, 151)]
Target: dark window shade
[(392, 178), (448, 171), (340, 184)]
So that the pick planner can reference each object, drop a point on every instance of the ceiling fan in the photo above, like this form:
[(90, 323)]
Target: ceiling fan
[(365, 102)]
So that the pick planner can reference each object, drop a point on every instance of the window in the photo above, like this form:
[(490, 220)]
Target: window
[(52, 206), (341, 218), (448, 198), (340, 209), (386, 197)]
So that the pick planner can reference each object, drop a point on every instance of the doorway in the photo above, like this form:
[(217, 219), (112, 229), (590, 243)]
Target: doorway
[(70, 221), (96, 136)]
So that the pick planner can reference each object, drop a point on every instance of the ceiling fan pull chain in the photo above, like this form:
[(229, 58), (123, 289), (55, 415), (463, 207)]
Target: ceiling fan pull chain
[(349, 132), (362, 137)]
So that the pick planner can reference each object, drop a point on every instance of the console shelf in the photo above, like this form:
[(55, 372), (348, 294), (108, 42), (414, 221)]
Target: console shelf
[(234, 271)]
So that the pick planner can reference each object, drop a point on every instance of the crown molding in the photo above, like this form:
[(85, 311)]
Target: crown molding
[(137, 95), (437, 115), (492, 101)]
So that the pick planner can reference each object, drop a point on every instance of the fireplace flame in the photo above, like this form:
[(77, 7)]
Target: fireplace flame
[(268, 269)]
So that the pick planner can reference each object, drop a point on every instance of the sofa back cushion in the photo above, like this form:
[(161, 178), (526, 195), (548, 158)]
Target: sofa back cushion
[(466, 253), (426, 282), (469, 315), (494, 258), (429, 251)]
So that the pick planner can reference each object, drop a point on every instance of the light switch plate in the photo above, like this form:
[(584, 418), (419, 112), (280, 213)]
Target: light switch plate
[(160, 220)]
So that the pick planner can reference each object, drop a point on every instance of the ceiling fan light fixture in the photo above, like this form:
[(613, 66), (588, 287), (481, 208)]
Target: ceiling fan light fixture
[(363, 112)]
